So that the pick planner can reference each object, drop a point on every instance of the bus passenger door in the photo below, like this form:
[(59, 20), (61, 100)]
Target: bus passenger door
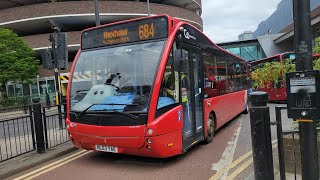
[(191, 96)]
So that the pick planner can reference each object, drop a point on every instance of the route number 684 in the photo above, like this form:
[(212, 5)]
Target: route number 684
[(146, 31)]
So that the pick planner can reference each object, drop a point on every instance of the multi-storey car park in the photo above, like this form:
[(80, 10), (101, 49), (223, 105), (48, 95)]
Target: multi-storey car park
[(34, 19)]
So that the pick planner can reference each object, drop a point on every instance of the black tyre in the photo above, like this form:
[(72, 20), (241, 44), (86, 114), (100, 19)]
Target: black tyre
[(211, 129)]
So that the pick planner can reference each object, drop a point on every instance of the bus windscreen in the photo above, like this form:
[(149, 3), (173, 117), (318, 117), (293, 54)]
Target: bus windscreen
[(140, 30)]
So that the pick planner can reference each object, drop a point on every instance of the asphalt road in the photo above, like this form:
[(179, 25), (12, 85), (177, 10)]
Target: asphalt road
[(197, 163), (229, 156)]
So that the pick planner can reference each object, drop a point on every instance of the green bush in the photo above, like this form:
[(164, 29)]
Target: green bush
[(316, 64), (271, 72)]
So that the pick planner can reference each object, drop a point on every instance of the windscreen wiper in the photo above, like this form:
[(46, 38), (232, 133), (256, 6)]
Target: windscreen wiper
[(119, 104), (84, 111), (121, 113), (128, 115)]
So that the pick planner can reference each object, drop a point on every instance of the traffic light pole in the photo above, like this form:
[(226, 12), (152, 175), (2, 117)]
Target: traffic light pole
[(55, 65), (57, 76), (303, 52)]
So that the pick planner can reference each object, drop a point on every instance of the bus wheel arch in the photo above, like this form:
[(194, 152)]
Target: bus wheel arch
[(211, 124)]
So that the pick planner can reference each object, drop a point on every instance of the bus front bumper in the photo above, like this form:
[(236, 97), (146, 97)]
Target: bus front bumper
[(161, 146)]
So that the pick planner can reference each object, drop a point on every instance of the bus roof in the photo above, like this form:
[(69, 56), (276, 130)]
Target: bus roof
[(277, 55)]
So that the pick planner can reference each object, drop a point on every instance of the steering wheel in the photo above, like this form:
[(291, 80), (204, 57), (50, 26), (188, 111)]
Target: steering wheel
[(117, 88)]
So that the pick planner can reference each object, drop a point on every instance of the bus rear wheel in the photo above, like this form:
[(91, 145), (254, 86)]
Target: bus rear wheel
[(211, 129)]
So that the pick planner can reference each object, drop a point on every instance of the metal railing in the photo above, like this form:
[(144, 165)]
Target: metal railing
[(28, 128), (16, 136), (54, 127), (288, 150)]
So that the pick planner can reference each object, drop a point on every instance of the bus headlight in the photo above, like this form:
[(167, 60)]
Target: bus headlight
[(150, 131)]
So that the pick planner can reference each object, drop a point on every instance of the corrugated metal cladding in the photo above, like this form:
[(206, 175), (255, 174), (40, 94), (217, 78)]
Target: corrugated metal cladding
[(281, 18)]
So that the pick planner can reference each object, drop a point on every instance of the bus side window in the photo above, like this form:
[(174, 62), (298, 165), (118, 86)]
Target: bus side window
[(222, 74), (243, 74), (211, 78), (231, 77), (169, 92)]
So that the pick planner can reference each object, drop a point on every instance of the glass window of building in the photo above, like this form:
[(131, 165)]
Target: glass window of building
[(246, 50), (10, 90)]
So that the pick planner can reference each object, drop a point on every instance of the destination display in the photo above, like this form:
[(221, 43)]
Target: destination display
[(140, 30)]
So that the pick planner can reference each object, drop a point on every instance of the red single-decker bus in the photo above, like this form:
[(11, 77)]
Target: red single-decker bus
[(149, 90)]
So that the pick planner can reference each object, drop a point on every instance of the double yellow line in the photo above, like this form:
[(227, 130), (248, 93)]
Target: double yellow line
[(235, 163), (52, 166)]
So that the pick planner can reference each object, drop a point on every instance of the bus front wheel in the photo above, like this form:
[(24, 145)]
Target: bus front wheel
[(211, 129)]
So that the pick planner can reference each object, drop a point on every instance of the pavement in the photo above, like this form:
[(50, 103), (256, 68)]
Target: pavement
[(277, 176), (21, 163), (194, 164)]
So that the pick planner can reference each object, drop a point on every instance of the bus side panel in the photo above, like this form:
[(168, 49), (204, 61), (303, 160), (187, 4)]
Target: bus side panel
[(167, 134), (275, 94), (168, 122), (225, 107), (163, 146), (233, 104)]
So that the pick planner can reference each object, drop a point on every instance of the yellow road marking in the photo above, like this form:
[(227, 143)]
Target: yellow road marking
[(76, 155), (56, 166), (240, 169), (235, 163), (219, 174), (232, 165)]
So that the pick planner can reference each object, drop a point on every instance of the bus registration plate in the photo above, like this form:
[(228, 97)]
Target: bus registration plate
[(107, 148)]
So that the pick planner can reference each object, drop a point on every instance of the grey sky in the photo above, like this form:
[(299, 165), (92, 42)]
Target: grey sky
[(224, 20)]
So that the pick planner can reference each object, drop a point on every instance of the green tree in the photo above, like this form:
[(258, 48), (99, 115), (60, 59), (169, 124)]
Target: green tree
[(17, 60), (271, 72), (316, 48)]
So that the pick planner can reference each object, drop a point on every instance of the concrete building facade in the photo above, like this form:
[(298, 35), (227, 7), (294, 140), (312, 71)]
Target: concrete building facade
[(275, 34), (33, 20)]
